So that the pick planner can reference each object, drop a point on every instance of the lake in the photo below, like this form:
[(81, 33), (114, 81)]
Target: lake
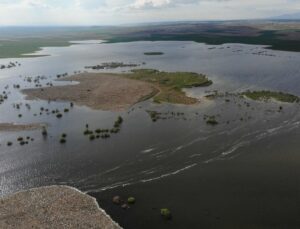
[(147, 155)]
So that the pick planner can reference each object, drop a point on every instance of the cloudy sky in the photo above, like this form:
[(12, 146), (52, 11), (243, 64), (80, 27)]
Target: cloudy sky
[(104, 12)]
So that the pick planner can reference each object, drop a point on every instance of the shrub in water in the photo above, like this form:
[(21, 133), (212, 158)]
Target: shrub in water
[(166, 213), (44, 132), (59, 115), (131, 200), (86, 132), (212, 121)]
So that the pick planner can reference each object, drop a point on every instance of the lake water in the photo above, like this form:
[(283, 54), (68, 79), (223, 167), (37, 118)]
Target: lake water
[(144, 151)]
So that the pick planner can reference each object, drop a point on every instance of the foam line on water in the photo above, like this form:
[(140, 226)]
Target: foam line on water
[(169, 174)]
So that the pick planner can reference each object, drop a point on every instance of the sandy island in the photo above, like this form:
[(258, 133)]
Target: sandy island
[(20, 127), (53, 207), (98, 91)]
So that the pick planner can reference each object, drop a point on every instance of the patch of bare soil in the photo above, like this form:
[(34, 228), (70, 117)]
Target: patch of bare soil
[(97, 91)]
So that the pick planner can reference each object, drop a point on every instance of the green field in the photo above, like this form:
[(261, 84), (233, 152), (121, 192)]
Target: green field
[(15, 41), (10, 49), (170, 84)]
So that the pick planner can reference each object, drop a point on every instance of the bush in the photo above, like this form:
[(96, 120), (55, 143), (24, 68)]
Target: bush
[(59, 115), (63, 140), (44, 132), (87, 132), (165, 213), (118, 122), (115, 130), (22, 143), (212, 121), (104, 136), (131, 200)]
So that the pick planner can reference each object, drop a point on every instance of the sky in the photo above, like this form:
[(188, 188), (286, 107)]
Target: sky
[(115, 12)]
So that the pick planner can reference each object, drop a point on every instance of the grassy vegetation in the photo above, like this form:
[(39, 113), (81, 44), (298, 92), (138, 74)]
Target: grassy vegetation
[(267, 95), (15, 41), (15, 48), (170, 84)]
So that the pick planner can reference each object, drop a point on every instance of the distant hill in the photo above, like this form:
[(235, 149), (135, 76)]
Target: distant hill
[(295, 16)]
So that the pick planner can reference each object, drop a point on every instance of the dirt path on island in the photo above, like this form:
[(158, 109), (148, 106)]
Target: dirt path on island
[(98, 91)]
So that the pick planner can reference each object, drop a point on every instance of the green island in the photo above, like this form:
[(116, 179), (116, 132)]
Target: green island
[(153, 53), (170, 84), (267, 95)]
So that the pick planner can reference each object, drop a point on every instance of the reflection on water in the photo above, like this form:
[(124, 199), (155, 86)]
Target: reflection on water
[(144, 150)]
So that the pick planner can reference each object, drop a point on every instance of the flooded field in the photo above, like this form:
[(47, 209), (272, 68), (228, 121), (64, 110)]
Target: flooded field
[(158, 145)]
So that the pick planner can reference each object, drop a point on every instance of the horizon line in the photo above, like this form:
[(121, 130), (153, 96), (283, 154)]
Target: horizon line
[(151, 23)]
